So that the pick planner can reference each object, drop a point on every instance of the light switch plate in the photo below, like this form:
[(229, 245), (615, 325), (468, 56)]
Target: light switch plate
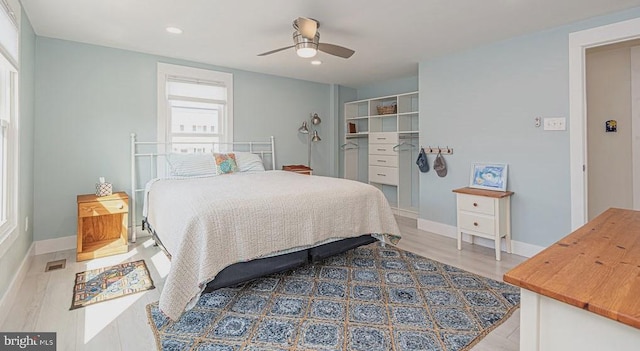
[(555, 123)]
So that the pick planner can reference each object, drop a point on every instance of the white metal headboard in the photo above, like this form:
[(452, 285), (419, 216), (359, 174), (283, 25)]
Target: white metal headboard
[(151, 154)]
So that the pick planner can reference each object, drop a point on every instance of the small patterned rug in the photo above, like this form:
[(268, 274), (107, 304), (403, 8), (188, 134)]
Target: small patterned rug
[(102, 284), (368, 299)]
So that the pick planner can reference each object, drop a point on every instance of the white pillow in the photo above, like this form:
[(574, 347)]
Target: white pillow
[(248, 162), (188, 165)]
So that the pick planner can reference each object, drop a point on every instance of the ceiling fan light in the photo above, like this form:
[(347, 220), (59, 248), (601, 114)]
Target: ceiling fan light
[(306, 52), (174, 30)]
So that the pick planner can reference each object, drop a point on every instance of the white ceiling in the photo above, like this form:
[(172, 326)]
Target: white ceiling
[(389, 37)]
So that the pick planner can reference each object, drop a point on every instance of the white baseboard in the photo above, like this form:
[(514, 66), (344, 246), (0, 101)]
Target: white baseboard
[(404, 213), (517, 247), (12, 291), (437, 228), (525, 249), (54, 245)]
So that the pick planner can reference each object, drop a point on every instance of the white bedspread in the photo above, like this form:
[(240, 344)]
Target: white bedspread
[(209, 223)]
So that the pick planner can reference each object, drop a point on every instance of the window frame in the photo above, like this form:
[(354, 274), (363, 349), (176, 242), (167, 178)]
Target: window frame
[(165, 71), (9, 195)]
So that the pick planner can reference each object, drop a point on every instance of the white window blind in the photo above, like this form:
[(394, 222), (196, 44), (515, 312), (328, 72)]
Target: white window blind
[(181, 88), (9, 32)]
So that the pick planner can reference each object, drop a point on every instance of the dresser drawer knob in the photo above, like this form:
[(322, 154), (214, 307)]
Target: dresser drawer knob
[(382, 149), (475, 224), (475, 204), (382, 175)]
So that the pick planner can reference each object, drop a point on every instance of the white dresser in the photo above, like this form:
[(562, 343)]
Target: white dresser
[(383, 159), (484, 213)]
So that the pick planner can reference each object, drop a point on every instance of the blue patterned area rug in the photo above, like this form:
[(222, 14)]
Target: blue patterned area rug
[(369, 299)]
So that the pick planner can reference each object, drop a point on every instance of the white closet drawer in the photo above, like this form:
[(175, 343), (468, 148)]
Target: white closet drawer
[(383, 175), (383, 138), (385, 161), (479, 204), (477, 223), (382, 149)]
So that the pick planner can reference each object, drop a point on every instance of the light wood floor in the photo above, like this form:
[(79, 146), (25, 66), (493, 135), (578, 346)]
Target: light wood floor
[(121, 324)]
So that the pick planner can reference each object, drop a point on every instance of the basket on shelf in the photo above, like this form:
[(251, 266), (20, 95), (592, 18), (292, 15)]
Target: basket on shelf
[(388, 109)]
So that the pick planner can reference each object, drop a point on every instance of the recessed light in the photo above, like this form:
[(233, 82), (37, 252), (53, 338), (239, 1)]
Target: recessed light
[(174, 30), (316, 62)]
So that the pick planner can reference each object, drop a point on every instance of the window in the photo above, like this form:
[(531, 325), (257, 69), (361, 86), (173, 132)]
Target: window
[(8, 123), (194, 98), (8, 94)]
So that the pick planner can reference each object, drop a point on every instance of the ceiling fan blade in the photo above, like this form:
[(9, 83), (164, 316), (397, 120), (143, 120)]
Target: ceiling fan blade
[(335, 50), (307, 27), (276, 50)]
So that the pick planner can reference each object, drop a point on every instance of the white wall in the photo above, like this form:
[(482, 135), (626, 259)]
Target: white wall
[(609, 164)]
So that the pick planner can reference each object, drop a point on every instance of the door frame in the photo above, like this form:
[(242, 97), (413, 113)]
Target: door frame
[(635, 125), (578, 43)]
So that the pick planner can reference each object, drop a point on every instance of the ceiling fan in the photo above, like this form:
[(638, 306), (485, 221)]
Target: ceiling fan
[(306, 39)]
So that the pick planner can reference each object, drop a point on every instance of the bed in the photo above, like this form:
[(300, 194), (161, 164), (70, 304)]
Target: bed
[(223, 229)]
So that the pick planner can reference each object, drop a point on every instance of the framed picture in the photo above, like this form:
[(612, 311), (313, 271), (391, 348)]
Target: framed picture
[(489, 176)]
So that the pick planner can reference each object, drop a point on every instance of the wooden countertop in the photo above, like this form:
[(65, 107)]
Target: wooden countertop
[(596, 268), (482, 192), (120, 195)]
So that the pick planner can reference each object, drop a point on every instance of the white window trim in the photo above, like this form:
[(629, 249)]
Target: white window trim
[(16, 14), (166, 70), (9, 229)]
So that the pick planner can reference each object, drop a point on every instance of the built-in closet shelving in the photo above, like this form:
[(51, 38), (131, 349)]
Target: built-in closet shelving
[(383, 148)]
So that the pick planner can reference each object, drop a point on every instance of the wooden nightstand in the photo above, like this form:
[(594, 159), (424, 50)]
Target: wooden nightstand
[(302, 169), (484, 213), (102, 225)]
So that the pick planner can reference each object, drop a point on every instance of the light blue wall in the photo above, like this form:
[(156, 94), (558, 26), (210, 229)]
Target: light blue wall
[(346, 94), (482, 103), (90, 98), (389, 87), (11, 260)]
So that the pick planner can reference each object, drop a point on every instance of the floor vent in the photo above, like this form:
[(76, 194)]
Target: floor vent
[(53, 265)]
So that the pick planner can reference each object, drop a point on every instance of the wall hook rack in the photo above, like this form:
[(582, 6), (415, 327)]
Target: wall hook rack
[(436, 150)]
